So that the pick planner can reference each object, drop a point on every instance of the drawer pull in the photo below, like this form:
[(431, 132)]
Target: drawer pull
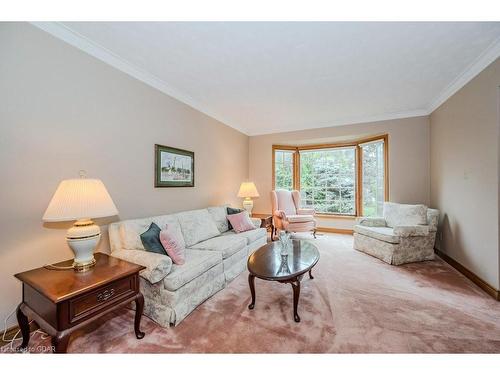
[(104, 296)]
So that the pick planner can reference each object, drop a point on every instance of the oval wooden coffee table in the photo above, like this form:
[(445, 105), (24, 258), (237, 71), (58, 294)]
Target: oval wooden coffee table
[(268, 264)]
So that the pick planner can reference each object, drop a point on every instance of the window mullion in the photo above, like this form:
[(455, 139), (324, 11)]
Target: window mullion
[(296, 163), (359, 181)]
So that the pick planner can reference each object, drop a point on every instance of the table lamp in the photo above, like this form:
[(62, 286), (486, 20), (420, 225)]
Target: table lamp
[(248, 191), (81, 199)]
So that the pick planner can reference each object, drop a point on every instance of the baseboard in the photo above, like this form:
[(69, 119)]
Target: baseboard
[(470, 275), (334, 230)]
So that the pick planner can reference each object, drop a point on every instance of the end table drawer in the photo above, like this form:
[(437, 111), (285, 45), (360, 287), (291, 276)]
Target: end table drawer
[(93, 301)]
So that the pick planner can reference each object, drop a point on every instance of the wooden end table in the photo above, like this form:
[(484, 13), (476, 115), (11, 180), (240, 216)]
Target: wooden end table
[(62, 301), (266, 222)]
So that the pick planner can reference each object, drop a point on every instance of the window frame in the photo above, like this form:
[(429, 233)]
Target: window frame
[(357, 144)]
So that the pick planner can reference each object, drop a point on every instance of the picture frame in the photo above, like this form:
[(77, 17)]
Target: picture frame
[(174, 167)]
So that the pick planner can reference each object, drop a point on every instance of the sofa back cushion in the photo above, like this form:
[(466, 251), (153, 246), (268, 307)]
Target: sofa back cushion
[(404, 214), (219, 216), (197, 226), (130, 230)]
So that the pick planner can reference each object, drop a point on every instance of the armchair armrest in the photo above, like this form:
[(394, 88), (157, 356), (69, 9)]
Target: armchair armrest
[(411, 230), (157, 265), (371, 221), (256, 221), (306, 211), (280, 214)]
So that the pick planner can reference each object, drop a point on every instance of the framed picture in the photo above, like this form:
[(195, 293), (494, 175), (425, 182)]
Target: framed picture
[(173, 167)]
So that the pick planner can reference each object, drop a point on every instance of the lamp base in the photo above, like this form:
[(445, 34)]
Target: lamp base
[(83, 238), (82, 267), (248, 205)]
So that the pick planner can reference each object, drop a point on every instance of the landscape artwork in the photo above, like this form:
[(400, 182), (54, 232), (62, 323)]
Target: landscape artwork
[(173, 167)]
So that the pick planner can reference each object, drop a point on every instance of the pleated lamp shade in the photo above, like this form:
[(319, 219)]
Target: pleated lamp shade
[(80, 198), (248, 190)]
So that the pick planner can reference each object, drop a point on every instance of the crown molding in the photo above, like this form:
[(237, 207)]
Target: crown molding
[(347, 121), (478, 65), (83, 43)]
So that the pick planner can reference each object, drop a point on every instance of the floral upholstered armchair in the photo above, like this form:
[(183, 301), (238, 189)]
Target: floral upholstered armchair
[(287, 214), (406, 233)]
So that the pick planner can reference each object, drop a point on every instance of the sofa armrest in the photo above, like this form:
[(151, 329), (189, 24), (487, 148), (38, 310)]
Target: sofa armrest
[(432, 219), (371, 221), (256, 221), (157, 265), (411, 230), (306, 211)]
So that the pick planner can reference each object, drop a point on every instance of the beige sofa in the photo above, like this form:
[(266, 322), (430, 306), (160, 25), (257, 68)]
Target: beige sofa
[(214, 256), (406, 233)]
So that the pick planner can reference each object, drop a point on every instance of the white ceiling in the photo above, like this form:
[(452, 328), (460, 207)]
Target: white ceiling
[(270, 77)]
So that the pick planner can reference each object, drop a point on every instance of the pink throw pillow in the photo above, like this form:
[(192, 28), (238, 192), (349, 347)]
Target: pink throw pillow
[(172, 245), (241, 222)]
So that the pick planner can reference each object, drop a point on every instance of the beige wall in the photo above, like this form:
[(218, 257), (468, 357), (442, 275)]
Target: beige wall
[(464, 174), (61, 111), (408, 159)]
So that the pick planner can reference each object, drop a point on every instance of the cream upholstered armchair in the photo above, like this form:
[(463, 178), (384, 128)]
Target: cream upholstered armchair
[(287, 214), (406, 233)]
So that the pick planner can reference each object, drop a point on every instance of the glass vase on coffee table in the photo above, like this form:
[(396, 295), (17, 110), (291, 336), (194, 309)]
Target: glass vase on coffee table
[(285, 242)]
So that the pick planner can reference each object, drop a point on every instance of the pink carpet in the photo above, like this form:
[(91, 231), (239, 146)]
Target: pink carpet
[(355, 304)]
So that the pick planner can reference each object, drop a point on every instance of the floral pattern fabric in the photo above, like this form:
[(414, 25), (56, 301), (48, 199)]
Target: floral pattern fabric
[(197, 226), (157, 266), (404, 214), (172, 291), (407, 242)]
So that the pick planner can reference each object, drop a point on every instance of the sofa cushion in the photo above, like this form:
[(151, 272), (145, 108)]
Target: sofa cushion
[(226, 245), (250, 236), (197, 226), (172, 245), (219, 216), (411, 230), (380, 233), (232, 211), (173, 226), (241, 222), (196, 263), (151, 240), (130, 233), (130, 230), (404, 214), (300, 218)]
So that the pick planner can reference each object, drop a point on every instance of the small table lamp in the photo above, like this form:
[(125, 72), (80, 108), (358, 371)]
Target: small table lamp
[(81, 199), (248, 191)]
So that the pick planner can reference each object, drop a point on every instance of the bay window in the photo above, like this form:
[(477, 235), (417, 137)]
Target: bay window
[(373, 177), (328, 180), (284, 169), (347, 179)]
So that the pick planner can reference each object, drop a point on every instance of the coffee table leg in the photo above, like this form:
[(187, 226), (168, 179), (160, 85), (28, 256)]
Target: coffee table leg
[(251, 282), (22, 321), (310, 274), (139, 308), (296, 294)]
